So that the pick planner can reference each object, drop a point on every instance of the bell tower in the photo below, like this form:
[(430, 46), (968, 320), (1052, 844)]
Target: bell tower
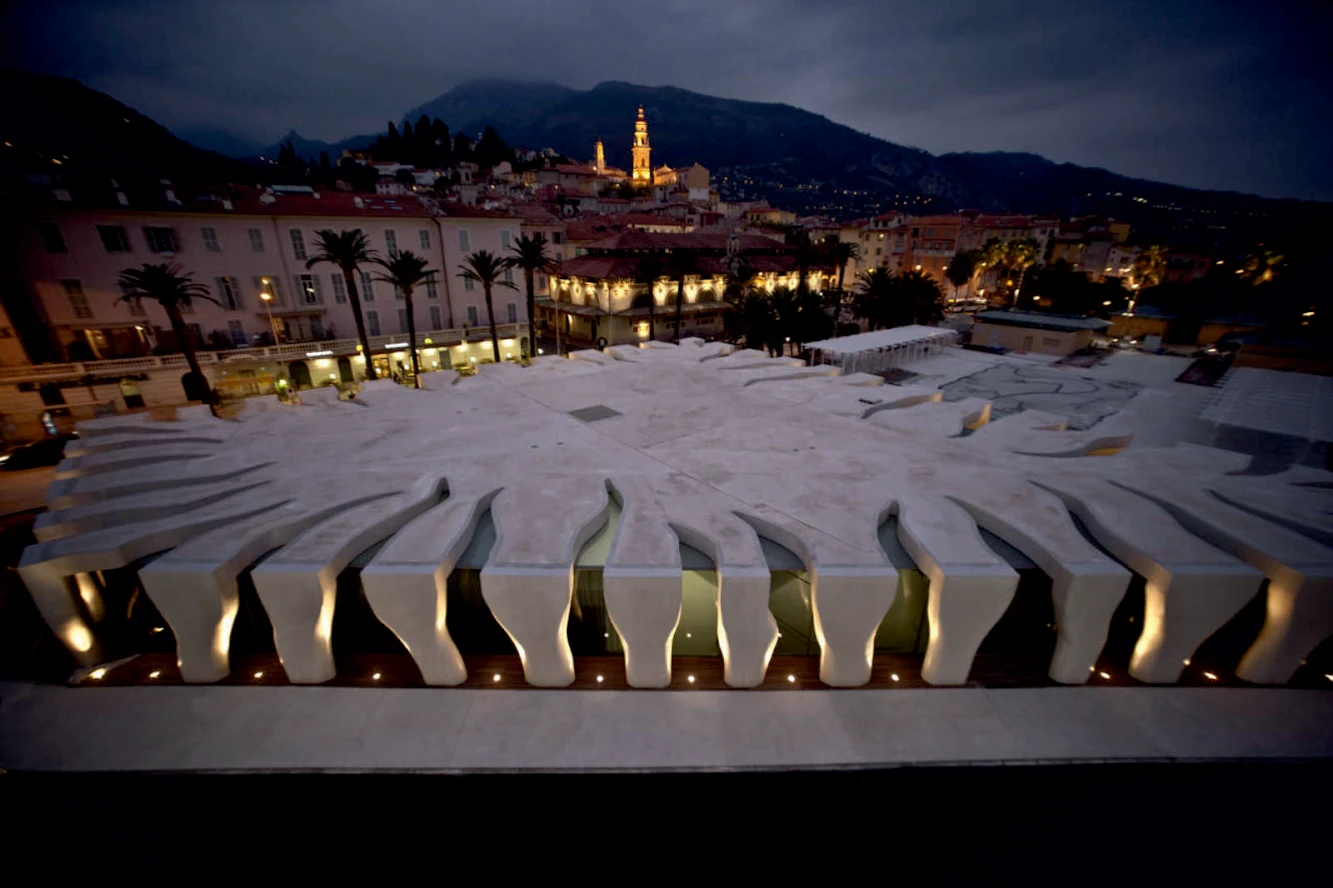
[(642, 170), (599, 158)]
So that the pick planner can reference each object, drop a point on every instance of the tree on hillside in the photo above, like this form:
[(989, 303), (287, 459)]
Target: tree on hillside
[(173, 289), (487, 269), (406, 271), (348, 250), (529, 255)]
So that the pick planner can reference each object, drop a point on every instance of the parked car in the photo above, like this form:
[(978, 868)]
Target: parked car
[(46, 452)]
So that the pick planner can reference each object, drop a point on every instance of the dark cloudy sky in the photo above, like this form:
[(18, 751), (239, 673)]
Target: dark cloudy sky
[(1210, 93)]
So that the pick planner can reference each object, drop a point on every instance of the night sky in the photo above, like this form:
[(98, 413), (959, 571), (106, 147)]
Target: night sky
[(1208, 93)]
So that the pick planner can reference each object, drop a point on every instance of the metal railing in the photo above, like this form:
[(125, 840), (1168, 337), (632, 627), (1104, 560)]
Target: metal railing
[(287, 352)]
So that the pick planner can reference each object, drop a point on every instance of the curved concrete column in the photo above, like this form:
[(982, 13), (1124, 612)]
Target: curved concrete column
[(194, 585), (529, 581), (1086, 586), (851, 587), (48, 569), (298, 585), (747, 633), (970, 588), (1299, 601), (407, 583), (642, 584), (746, 630), (1192, 589), (849, 604)]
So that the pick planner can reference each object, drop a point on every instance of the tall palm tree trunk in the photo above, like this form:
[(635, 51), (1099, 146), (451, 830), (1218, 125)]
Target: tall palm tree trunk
[(490, 317), (354, 299), (652, 314), (842, 271), (532, 311), (186, 345), (680, 300), (412, 337)]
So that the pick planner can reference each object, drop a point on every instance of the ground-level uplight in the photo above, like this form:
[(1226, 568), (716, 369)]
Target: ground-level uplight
[(495, 677), (690, 679), (1104, 674), (375, 677), (599, 679), (155, 673), (97, 673), (259, 674), (1210, 676), (894, 676), (791, 678)]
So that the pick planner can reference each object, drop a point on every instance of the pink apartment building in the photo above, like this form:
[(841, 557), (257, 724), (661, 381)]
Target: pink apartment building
[(74, 256), (69, 349)]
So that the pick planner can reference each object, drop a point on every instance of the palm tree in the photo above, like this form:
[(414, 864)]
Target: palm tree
[(347, 250), (871, 297), (962, 268), (646, 271), (839, 253), (1260, 267), (487, 270), (917, 298), (531, 256), (1147, 271), (170, 287), (678, 265), (406, 271)]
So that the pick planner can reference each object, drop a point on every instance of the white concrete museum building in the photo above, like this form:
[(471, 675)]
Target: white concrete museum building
[(702, 501)]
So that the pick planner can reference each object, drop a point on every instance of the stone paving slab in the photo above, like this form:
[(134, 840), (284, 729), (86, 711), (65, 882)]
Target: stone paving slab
[(52, 728)]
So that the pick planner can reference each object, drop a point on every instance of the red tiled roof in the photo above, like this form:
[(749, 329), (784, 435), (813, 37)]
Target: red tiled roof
[(647, 240)]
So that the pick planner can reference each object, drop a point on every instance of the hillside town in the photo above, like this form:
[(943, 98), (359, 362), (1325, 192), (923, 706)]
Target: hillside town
[(625, 256)]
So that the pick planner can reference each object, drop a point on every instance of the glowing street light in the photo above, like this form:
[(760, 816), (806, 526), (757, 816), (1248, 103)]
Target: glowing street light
[(267, 298)]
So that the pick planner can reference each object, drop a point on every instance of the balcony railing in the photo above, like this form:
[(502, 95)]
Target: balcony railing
[(287, 352)]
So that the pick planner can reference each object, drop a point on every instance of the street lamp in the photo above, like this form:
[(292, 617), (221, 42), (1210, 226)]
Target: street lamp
[(268, 307)]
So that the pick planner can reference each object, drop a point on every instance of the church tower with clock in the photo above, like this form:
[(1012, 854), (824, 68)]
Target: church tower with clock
[(642, 170)]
